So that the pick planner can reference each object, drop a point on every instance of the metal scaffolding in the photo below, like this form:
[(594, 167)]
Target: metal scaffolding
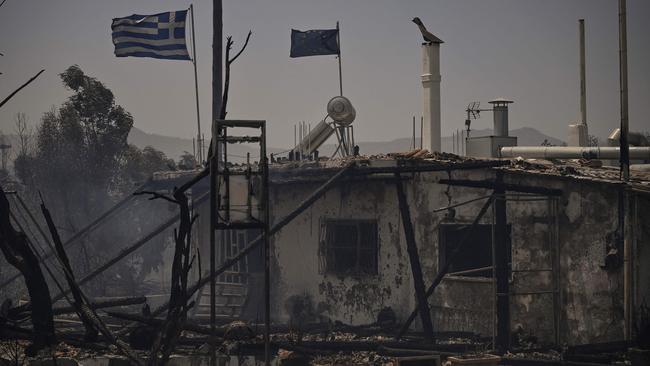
[(225, 217)]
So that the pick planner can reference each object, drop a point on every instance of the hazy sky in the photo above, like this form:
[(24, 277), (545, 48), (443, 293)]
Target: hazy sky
[(526, 50)]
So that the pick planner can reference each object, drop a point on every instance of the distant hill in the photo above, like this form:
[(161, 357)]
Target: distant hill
[(173, 147), (526, 136)]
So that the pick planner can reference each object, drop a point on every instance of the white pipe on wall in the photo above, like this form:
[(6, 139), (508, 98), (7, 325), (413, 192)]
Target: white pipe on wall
[(571, 152)]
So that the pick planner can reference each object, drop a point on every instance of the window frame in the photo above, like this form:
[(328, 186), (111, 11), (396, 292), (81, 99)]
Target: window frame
[(443, 232), (326, 258)]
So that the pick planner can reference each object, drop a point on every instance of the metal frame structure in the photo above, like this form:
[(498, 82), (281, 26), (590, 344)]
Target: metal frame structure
[(221, 208)]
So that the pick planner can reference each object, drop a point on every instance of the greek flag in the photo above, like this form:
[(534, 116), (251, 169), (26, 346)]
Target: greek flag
[(158, 36)]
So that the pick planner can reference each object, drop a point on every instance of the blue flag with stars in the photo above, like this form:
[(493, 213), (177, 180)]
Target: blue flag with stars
[(314, 42), (158, 36)]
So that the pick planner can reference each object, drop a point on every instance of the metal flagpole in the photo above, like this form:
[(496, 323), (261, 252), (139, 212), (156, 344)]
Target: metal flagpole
[(622, 62), (338, 40), (217, 91), (199, 142)]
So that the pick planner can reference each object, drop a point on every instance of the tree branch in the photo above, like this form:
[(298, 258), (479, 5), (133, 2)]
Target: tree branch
[(22, 86), (229, 61), (248, 37), (156, 195)]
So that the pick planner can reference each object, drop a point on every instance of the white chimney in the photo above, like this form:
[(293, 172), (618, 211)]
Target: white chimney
[(578, 133), (431, 96)]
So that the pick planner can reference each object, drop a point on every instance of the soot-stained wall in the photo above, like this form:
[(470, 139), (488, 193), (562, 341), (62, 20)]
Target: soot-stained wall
[(589, 303)]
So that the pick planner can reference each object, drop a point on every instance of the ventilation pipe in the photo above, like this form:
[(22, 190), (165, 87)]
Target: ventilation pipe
[(571, 152), (431, 95), (500, 111)]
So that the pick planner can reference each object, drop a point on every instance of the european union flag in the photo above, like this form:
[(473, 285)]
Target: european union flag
[(158, 36), (314, 42)]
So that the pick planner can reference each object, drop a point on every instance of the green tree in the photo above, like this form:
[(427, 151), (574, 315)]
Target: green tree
[(187, 161), (78, 150), (138, 166), (81, 163)]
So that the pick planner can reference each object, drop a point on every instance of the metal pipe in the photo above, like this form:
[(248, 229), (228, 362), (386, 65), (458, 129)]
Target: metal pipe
[(338, 41), (267, 248), (583, 78), (217, 93), (622, 47), (196, 89), (571, 152)]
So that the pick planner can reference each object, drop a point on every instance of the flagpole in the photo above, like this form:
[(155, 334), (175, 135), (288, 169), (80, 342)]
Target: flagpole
[(217, 95), (199, 142), (338, 39)]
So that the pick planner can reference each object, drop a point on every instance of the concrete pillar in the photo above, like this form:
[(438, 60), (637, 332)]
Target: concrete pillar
[(431, 96)]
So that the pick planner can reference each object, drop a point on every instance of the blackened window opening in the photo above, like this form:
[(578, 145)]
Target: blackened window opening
[(351, 247), (476, 252)]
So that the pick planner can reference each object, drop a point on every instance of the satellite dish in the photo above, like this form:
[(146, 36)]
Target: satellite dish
[(341, 110)]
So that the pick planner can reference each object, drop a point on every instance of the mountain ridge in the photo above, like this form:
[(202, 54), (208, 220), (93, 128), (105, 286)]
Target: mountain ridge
[(173, 147)]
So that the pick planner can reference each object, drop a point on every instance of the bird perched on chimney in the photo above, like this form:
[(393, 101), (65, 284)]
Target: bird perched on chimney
[(428, 36)]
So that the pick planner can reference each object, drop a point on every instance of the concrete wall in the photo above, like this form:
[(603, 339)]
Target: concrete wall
[(590, 300), (357, 300)]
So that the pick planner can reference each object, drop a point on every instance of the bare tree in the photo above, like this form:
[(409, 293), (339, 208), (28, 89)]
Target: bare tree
[(170, 330), (229, 61), (25, 134)]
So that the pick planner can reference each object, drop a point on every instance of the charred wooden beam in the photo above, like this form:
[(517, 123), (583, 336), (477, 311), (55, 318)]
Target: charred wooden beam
[(62, 256), (371, 346), (158, 322), (104, 304), (405, 352), (416, 269), (488, 184), (20, 88), (442, 272), (502, 264)]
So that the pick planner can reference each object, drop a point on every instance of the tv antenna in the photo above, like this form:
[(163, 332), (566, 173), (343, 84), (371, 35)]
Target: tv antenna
[(473, 112)]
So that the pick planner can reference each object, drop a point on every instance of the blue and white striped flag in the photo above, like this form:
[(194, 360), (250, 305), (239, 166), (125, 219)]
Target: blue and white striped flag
[(158, 36)]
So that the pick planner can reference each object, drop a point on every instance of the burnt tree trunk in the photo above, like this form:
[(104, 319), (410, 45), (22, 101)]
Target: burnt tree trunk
[(171, 328), (16, 250)]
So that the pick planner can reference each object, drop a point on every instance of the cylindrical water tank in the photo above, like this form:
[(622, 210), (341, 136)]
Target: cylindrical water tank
[(315, 138), (341, 110)]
